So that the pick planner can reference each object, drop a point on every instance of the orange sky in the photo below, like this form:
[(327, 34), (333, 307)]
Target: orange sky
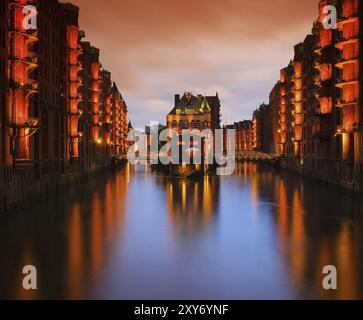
[(156, 48)]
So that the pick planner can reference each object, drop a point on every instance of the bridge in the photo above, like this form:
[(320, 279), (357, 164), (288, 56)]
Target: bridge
[(254, 156), (241, 156)]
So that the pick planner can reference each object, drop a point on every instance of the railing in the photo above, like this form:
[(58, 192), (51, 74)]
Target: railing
[(323, 111), (24, 122), (26, 33), (32, 58), (347, 100), (341, 38), (348, 14), (347, 127), (341, 58), (32, 85), (348, 77)]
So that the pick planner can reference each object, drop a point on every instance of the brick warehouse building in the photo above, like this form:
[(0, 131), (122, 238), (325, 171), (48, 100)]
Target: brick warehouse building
[(315, 108), (244, 135), (321, 132), (262, 129), (57, 103), (274, 105), (195, 113), (4, 143)]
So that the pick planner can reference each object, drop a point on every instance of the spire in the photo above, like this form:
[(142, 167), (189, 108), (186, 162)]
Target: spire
[(205, 105)]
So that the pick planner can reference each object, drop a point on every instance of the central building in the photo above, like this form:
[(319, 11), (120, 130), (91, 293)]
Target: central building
[(194, 112)]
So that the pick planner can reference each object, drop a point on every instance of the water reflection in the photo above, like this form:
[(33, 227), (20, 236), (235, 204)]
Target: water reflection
[(316, 227), (68, 239), (191, 204), (139, 235)]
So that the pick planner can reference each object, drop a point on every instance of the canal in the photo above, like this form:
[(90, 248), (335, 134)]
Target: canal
[(134, 234)]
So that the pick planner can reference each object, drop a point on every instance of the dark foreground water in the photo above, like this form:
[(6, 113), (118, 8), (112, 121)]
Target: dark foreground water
[(138, 235)]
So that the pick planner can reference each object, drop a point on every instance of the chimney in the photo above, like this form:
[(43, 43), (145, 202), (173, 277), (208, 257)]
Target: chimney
[(177, 99)]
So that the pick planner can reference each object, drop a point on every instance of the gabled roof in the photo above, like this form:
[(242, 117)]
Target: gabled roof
[(214, 101), (205, 107), (197, 104)]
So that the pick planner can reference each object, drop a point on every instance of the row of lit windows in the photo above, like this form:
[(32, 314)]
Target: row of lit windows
[(187, 124)]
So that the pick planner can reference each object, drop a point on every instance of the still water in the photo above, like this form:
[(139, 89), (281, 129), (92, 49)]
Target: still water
[(134, 234)]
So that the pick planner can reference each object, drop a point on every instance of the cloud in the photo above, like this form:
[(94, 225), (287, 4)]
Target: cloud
[(157, 48)]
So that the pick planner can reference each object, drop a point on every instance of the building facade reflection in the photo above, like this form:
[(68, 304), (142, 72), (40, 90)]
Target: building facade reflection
[(120, 234), (316, 227), (191, 204), (94, 226), (89, 221)]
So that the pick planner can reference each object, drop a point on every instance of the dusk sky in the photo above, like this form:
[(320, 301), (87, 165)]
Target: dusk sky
[(156, 48)]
